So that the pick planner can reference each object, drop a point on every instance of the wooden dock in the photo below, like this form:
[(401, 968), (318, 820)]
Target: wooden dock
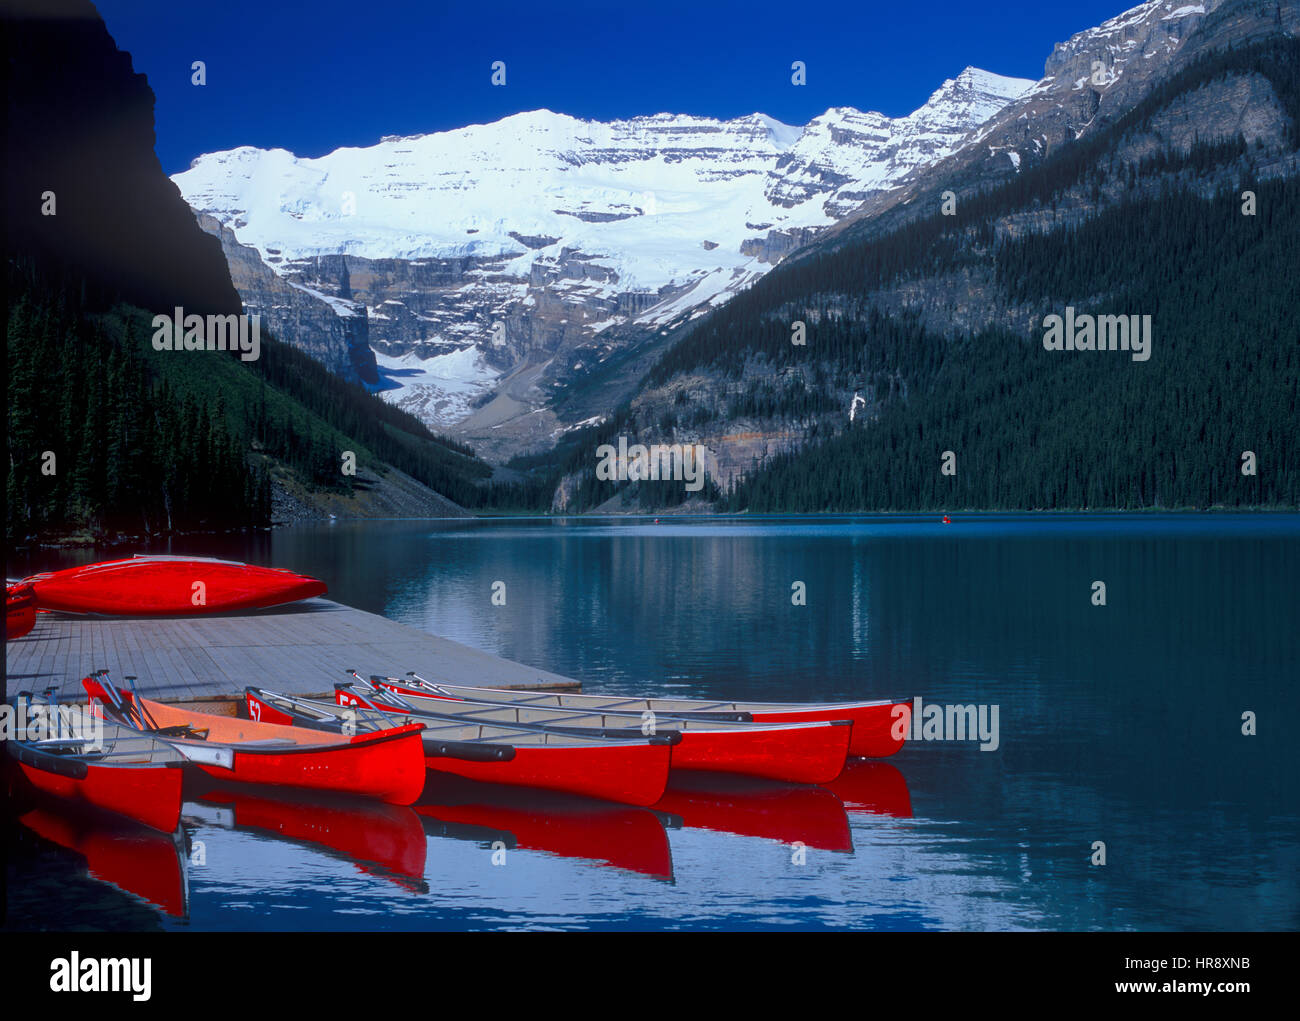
[(300, 649)]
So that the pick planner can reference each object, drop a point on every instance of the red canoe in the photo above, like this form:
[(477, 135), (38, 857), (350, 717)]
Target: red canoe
[(876, 730), (149, 586), (385, 764), (633, 771), (20, 610), (792, 752), (798, 753), (128, 774)]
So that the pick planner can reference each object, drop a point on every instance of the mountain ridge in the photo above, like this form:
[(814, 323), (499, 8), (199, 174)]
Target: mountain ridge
[(639, 221)]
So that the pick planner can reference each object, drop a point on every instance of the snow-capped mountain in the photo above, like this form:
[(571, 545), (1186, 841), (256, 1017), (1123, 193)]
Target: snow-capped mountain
[(526, 238)]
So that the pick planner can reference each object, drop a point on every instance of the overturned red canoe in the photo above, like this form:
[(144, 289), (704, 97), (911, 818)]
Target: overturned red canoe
[(20, 610), (385, 764), (162, 586), (877, 730)]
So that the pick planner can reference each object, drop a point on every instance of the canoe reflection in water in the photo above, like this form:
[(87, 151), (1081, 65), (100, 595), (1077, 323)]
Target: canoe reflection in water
[(128, 855), (634, 839), (749, 807), (872, 787), (391, 842), (382, 840), (599, 832), (812, 815)]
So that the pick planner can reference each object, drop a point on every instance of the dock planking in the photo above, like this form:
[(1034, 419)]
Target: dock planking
[(300, 649)]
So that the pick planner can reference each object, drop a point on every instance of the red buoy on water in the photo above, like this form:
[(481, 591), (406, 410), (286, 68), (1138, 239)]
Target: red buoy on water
[(947, 520)]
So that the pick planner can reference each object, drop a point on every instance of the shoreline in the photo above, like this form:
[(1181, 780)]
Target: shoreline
[(79, 539)]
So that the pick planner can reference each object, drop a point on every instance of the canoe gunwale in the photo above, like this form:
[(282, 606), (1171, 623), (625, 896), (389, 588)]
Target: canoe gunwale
[(747, 725), (249, 748), (588, 737), (634, 704)]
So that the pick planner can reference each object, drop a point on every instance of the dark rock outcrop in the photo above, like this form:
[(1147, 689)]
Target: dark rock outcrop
[(79, 124)]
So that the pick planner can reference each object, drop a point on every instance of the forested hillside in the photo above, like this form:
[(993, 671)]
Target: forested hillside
[(106, 434), (1045, 429), (97, 441)]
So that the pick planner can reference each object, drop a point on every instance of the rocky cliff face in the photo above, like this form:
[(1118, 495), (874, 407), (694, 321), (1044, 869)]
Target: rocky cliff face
[(524, 249), (1088, 82), (331, 330), (821, 165)]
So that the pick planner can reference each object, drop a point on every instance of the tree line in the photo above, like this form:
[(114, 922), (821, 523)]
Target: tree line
[(96, 441)]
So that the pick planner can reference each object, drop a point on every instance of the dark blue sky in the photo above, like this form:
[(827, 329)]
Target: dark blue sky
[(316, 76)]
